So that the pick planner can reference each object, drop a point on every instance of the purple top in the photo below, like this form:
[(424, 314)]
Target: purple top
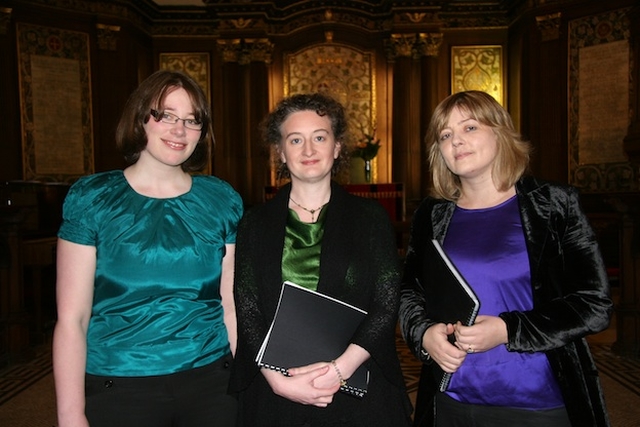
[(488, 248)]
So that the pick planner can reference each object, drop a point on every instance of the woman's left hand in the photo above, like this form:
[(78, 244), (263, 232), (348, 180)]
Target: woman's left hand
[(486, 333)]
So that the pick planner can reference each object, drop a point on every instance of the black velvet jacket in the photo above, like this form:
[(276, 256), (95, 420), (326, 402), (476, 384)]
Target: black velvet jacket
[(358, 264), (570, 292)]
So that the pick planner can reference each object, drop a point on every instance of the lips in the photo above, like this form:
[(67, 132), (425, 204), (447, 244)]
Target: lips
[(175, 145)]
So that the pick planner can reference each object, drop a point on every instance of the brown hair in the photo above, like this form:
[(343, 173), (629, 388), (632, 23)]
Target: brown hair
[(131, 137), (513, 152)]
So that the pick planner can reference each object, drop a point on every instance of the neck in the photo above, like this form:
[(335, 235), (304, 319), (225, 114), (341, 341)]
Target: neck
[(308, 201), (158, 183), (486, 198)]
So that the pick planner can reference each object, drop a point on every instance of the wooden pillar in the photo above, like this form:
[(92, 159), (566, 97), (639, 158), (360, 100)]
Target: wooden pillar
[(628, 309), (409, 156), (244, 101)]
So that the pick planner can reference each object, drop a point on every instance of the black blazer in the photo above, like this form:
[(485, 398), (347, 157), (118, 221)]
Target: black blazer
[(570, 291), (358, 264)]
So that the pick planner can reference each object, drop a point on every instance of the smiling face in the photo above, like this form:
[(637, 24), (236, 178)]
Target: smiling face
[(308, 146), (171, 144), (469, 148)]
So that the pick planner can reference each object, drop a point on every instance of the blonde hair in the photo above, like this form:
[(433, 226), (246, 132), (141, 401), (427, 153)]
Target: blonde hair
[(513, 152)]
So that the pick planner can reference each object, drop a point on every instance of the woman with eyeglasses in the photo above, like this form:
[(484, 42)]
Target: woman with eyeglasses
[(146, 320)]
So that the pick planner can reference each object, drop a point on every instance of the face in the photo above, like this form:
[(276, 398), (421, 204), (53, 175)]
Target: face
[(308, 147), (171, 144), (468, 147)]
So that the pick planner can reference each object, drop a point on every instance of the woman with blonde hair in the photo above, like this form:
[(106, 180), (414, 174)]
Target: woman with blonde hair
[(528, 252)]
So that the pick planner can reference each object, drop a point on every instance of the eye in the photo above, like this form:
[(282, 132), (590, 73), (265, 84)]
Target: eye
[(193, 122), (320, 138), (295, 141), (471, 128), (168, 116), (444, 136)]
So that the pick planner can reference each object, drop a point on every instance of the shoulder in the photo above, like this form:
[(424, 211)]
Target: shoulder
[(99, 181), (540, 191), (91, 188), (211, 183), (429, 204), (214, 189)]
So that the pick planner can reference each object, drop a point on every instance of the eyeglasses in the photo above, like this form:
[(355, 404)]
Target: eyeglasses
[(164, 117)]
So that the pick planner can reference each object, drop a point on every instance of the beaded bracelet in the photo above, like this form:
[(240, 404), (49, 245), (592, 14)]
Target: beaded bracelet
[(343, 382)]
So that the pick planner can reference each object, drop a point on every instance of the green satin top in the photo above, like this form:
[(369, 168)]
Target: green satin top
[(301, 253), (157, 307)]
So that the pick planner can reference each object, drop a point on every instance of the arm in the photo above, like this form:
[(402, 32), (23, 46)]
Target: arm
[(573, 272), (414, 320), (226, 294), (76, 266)]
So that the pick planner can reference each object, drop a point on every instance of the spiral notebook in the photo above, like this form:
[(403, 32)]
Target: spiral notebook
[(311, 327), (450, 301)]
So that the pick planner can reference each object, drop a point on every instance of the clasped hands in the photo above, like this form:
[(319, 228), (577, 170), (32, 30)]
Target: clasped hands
[(314, 384), (486, 333)]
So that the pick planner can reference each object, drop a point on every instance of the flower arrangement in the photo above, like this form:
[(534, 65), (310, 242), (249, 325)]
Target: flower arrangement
[(367, 147)]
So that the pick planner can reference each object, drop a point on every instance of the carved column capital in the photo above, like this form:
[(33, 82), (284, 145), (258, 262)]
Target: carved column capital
[(549, 26), (245, 51), (428, 44), (107, 36), (5, 19), (413, 45)]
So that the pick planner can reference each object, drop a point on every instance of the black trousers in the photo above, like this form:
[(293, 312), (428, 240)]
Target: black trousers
[(451, 413), (193, 398)]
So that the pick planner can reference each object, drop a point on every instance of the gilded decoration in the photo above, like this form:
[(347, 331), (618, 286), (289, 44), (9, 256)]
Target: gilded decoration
[(343, 72), (600, 69), (54, 70), (477, 68), (195, 64), (413, 45)]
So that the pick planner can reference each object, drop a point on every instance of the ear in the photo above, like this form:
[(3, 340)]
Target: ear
[(336, 149), (280, 153)]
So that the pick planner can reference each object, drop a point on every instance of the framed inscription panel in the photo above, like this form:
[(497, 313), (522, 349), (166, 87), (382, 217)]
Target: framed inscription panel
[(599, 85), (55, 103)]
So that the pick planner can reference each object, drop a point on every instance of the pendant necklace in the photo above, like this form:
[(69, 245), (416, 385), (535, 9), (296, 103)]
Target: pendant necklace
[(311, 211)]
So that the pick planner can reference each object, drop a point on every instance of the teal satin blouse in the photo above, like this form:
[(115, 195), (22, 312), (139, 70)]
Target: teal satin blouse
[(157, 307)]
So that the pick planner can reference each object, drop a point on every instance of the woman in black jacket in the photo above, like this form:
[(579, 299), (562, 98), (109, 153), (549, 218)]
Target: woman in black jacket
[(315, 234), (528, 251)]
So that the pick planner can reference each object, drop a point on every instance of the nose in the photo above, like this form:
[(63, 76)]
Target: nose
[(456, 141), (308, 149), (179, 127)]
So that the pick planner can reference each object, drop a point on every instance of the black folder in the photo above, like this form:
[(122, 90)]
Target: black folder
[(311, 327), (449, 300)]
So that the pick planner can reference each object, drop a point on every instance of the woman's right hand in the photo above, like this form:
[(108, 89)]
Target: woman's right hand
[(299, 388), (435, 341)]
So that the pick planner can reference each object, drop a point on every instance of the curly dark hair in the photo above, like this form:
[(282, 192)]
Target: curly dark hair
[(323, 105), (131, 137)]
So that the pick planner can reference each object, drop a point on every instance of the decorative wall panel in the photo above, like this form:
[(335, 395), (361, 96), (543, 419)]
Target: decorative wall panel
[(55, 103), (477, 68), (599, 85)]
